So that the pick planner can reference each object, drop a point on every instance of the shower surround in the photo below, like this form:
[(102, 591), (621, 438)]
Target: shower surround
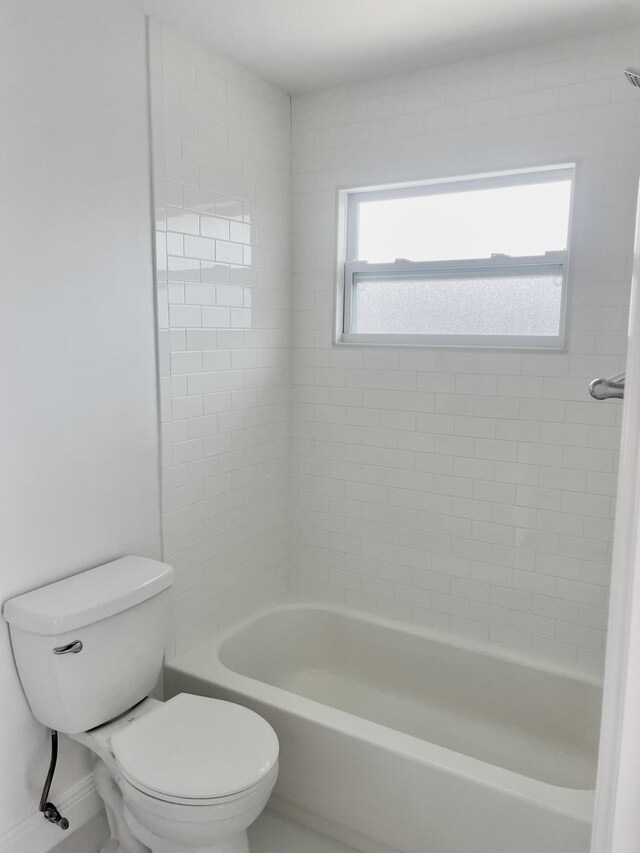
[(470, 491)]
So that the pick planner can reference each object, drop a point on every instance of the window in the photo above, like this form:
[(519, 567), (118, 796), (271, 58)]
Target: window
[(477, 261)]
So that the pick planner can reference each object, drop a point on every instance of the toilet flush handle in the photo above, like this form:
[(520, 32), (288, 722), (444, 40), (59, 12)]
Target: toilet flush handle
[(69, 649)]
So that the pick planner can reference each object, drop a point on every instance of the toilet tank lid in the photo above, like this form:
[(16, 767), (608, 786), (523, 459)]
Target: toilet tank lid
[(89, 596)]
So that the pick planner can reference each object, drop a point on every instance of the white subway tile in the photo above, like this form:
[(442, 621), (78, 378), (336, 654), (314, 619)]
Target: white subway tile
[(466, 490)]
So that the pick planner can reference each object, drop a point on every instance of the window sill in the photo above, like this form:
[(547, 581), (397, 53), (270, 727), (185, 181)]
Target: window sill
[(484, 342)]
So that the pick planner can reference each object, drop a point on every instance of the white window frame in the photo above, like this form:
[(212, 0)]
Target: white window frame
[(350, 270)]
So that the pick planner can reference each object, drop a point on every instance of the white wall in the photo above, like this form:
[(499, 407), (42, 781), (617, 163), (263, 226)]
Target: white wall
[(222, 142), (78, 435), (472, 491)]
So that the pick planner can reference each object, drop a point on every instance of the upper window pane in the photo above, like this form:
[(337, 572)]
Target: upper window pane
[(451, 223)]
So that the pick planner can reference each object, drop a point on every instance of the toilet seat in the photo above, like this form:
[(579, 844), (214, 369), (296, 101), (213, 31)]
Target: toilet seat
[(195, 750)]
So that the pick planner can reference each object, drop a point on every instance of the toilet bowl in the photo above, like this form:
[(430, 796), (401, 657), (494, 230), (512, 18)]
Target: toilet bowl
[(219, 826), (189, 775)]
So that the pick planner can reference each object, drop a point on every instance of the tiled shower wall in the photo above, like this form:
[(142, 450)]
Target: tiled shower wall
[(468, 490), (222, 163)]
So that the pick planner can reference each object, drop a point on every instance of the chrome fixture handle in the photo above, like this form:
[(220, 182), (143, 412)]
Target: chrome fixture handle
[(69, 649), (607, 389)]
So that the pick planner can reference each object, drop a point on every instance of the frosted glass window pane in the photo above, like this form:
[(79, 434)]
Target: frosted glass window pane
[(525, 219), (514, 305)]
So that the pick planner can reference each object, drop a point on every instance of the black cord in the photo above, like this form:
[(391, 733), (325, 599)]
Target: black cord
[(48, 809), (51, 771)]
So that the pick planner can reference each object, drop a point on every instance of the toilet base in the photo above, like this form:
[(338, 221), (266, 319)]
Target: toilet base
[(122, 840)]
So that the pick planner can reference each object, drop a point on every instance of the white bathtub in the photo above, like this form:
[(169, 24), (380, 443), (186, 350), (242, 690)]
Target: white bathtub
[(395, 738)]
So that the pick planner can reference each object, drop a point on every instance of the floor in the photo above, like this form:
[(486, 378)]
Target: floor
[(273, 834), (270, 834), (88, 839)]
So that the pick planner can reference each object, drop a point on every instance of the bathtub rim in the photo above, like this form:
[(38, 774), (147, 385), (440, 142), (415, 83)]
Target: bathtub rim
[(203, 662)]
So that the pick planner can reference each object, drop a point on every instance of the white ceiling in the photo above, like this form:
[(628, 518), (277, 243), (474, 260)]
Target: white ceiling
[(311, 44)]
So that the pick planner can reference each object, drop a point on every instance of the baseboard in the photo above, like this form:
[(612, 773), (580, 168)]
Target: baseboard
[(79, 804), (349, 837)]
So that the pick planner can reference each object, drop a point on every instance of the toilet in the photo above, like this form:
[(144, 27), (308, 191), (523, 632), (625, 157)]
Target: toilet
[(188, 775)]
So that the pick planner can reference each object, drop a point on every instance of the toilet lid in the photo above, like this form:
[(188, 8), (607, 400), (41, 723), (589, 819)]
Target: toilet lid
[(193, 747)]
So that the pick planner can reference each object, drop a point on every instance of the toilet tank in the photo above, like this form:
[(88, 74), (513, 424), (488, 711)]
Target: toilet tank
[(89, 647)]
